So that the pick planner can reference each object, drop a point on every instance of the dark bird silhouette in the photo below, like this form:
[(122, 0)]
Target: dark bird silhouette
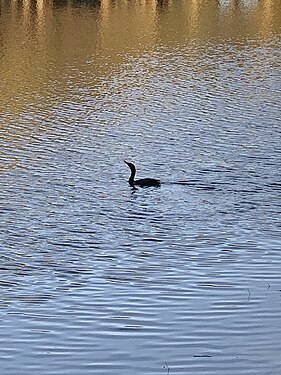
[(143, 182)]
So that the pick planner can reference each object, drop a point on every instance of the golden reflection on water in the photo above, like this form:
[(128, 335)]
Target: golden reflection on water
[(41, 40)]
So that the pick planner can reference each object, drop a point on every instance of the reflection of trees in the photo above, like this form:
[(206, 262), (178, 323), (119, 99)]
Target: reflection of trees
[(162, 3), (102, 32), (135, 19), (115, 24), (77, 3), (215, 4)]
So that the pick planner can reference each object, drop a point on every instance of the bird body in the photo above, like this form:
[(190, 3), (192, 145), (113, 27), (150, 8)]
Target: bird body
[(143, 182)]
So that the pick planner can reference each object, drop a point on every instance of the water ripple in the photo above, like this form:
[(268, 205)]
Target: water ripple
[(100, 278)]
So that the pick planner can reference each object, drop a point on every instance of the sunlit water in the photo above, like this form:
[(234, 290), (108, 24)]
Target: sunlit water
[(99, 278)]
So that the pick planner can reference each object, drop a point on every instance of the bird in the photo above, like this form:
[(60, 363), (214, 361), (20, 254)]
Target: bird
[(143, 182)]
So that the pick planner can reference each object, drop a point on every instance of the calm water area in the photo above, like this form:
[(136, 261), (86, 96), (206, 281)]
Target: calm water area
[(97, 277)]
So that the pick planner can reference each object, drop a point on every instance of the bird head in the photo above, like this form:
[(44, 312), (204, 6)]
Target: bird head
[(130, 165)]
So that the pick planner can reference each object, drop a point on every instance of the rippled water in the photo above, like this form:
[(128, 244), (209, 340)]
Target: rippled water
[(99, 278)]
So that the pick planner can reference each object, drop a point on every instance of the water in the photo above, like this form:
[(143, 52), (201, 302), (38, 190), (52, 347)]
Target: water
[(98, 278)]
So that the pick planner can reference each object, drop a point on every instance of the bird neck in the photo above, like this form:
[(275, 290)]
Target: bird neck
[(132, 177)]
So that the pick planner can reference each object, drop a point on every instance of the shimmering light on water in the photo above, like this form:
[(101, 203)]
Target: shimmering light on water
[(97, 278)]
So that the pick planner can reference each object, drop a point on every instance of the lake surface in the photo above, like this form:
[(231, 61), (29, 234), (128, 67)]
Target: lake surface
[(97, 277)]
